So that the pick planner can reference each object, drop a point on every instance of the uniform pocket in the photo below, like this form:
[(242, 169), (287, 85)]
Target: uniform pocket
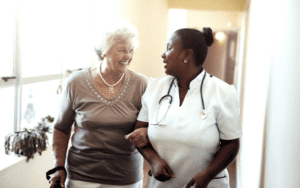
[(220, 181), (220, 177)]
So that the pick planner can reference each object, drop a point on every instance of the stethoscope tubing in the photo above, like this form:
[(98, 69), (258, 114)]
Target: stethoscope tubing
[(168, 95), (201, 94), (203, 112)]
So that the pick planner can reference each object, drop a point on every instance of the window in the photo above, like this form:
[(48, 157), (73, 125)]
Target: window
[(7, 11), (7, 89), (40, 41)]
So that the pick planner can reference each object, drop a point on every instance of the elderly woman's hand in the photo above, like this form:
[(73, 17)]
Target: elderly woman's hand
[(138, 137), (161, 170)]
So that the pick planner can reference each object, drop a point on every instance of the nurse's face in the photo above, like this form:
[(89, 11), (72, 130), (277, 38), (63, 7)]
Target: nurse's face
[(173, 57)]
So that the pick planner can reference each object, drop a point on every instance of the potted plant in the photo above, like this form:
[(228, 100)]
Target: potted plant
[(28, 142)]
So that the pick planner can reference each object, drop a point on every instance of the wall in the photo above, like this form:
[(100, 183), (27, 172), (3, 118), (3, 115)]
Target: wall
[(217, 20), (283, 120), (271, 97), (226, 21), (216, 59), (254, 98)]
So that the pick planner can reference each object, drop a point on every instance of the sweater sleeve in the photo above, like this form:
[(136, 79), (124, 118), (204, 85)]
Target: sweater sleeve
[(65, 117)]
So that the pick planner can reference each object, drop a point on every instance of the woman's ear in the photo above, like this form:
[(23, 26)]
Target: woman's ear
[(189, 54), (99, 54)]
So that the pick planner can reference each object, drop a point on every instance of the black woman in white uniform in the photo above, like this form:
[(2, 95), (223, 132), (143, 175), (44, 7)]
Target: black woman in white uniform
[(193, 118)]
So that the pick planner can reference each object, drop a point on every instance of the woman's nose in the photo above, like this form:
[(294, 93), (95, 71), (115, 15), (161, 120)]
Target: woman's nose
[(128, 55), (163, 55)]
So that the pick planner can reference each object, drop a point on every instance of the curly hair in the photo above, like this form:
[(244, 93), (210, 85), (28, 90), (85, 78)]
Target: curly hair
[(116, 29)]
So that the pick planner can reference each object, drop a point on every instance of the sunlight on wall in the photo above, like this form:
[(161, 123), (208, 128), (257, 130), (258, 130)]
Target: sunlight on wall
[(177, 20), (255, 99)]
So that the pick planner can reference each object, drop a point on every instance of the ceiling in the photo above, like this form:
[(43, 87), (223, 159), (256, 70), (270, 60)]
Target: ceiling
[(219, 5)]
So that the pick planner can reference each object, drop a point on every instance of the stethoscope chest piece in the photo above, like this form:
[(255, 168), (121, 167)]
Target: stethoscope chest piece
[(203, 114)]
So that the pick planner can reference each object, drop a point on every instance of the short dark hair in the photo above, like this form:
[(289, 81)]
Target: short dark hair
[(197, 41)]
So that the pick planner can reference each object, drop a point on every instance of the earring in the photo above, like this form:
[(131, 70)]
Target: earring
[(185, 61)]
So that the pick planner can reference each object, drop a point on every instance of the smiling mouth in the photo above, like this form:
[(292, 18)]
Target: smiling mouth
[(124, 62)]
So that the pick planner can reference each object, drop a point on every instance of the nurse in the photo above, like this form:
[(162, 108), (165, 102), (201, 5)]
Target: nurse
[(192, 117)]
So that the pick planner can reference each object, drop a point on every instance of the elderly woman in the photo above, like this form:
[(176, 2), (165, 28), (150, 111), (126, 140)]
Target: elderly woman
[(193, 118), (103, 102)]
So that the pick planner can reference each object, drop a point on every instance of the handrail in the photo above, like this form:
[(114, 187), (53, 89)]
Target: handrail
[(8, 78)]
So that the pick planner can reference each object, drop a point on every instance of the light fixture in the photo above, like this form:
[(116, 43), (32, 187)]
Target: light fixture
[(220, 36)]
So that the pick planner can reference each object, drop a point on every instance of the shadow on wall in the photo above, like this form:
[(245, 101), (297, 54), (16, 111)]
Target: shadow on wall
[(221, 56)]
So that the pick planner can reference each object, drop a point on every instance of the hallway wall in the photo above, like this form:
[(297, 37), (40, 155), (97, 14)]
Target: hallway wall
[(283, 120), (151, 19), (271, 96)]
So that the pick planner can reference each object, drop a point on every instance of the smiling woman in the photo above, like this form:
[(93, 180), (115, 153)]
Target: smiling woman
[(103, 102)]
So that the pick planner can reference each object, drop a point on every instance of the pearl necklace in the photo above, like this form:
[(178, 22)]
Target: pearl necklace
[(110, 87)]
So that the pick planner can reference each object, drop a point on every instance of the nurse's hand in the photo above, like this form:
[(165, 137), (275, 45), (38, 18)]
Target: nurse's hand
[(58, 175), (199, 181), (161, 170), (138, 137)]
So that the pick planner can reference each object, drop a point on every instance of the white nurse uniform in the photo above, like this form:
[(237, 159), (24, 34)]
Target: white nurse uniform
[(184, 140)]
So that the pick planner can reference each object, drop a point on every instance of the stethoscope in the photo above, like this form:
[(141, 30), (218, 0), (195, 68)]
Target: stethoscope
[(203, 114)]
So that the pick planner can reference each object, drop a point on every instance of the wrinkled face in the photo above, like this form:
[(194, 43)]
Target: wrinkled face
[(120, 55), (173, 57)]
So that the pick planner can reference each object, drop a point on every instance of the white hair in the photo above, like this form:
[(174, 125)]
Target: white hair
[(112, 30)]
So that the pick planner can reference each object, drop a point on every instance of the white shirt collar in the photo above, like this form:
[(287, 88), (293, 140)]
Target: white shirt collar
[(196, 81)]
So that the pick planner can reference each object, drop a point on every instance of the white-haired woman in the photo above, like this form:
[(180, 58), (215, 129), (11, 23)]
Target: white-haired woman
[(103, 102)]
